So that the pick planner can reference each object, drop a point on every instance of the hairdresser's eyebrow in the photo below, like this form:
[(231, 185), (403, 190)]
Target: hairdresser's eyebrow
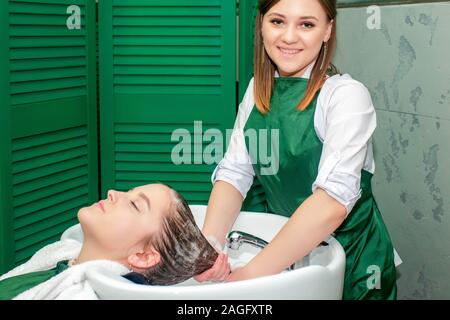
[(300, 18)]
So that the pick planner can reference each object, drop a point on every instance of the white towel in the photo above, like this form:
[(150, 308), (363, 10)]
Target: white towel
[(69, 284)]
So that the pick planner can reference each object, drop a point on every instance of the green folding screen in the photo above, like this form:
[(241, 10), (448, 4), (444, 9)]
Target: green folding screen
[(163, 65), (48, 123)]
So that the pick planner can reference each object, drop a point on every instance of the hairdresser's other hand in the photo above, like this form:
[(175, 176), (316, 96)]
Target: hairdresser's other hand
[(218, 272)]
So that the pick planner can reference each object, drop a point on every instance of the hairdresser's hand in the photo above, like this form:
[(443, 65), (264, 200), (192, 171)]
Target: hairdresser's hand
[(218, 272), (241, 273), (237, 275)]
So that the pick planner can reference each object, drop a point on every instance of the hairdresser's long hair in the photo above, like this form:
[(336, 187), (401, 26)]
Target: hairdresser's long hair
[(183, 249), (264, 68)]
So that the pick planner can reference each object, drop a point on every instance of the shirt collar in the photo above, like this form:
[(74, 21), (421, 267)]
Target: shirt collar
[(305, 75)]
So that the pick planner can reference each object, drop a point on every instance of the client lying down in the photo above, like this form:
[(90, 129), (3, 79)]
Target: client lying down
[(147, 233)]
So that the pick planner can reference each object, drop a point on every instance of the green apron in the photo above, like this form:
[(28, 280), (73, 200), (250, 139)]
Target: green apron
[(13, 286), (363, 234)]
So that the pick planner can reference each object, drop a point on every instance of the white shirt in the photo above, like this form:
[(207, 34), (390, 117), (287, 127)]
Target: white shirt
[(344, 122)]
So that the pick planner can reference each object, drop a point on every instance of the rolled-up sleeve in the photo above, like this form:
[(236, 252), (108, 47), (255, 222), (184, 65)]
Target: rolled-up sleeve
[(350, 123), (236, 167)]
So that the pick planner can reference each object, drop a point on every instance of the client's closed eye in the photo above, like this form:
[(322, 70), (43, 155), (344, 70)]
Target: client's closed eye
[(135, 206)]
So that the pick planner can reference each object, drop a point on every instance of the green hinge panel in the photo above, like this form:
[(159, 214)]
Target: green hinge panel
[(6, 219), (48, 123), (163, 66)]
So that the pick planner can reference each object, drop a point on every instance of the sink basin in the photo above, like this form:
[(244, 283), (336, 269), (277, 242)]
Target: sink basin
[(323, 278)]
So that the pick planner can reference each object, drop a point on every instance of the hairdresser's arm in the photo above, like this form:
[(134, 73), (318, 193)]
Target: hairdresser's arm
[(224, 206), (313, 221)]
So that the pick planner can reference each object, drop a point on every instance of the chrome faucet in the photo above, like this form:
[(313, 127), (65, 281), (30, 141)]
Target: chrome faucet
[(237, 238)]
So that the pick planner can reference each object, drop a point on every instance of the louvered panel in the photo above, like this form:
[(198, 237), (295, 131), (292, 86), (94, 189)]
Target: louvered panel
[(29, 245), (138, 145), (167, 40), (43, 64), (39, 42), (45, 186), (43, 225), (162, 176), (26, 98), (45, 139), (24, 32), (184, 89), (46, 181), (180, 186), (36, 7), (50, 169), (171, 3), (165, 127), (168, 20), (169, 31), (69, 205), (248, 10), (166, 65), (167, 167), (47, 85), (141, 157), (167, 70), (44, 52), (47, 203), (43, 193), (155, 147), (154, 36), (155, 9), (168, 80), (175, 51), (25, 76), (50, 145), (53, 2)]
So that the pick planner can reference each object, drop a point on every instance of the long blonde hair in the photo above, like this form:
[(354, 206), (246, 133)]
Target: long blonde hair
[(264, 68)]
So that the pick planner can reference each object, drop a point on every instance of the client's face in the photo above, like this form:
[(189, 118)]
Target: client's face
[(124, 221)]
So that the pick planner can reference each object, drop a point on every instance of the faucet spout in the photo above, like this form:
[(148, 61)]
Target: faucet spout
[(237, 238)]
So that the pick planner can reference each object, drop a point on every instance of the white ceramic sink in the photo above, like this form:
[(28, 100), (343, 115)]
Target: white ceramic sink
[(323, 278)]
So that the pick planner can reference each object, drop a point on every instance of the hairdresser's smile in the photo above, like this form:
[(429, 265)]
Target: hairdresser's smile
[(288, 52), (293, 33)]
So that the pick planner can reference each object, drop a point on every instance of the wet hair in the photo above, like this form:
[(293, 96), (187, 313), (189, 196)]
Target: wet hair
[(184, 251)]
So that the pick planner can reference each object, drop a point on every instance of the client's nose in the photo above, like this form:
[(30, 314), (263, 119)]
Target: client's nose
[(112, 196)]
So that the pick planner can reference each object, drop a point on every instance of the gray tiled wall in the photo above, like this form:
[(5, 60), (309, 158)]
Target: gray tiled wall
[(406, 66)]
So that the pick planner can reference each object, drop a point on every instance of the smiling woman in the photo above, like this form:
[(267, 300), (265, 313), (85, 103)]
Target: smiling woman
[(147, 234), (323, 184)]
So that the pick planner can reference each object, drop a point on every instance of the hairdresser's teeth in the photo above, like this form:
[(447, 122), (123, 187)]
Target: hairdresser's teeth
[(289, 51)]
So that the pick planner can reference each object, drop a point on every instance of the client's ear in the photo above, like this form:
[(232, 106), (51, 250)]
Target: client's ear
[(145, 259)]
